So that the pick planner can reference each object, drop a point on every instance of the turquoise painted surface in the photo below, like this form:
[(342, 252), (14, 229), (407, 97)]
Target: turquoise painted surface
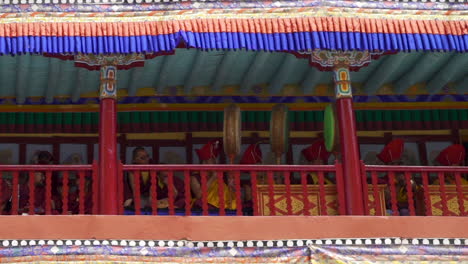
[(34, 75)]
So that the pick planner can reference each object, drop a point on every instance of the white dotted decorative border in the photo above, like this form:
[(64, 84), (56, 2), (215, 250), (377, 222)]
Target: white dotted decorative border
[(239, 244), (177, 1)]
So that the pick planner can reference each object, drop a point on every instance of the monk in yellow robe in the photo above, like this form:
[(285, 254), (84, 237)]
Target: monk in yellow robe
[(316, 154), (208, 154)]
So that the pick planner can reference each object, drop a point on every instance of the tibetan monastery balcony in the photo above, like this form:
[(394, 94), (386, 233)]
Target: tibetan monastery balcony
[(254, 190)]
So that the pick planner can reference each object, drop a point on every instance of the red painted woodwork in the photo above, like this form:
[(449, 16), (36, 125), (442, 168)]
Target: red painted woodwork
[(287, 182), (65, 190), (460, 196), (409, 190), (170, 182), (222, 202), (188, 198), (154, 193), (426, 197), (108, 157), (350, 156), (253, 175)]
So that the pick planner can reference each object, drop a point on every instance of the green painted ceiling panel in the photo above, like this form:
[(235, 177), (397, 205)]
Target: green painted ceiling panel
[(31, 74)]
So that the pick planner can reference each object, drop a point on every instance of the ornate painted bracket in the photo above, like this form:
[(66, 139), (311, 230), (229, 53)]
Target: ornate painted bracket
[(341, 62), (108, 65)]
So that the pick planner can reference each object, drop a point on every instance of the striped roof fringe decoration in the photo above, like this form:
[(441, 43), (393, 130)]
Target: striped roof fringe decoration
[(271, 29)]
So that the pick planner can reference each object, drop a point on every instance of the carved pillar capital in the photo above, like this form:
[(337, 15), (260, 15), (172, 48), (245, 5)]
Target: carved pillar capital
[(108, 65), (107, 84), (340, 62)]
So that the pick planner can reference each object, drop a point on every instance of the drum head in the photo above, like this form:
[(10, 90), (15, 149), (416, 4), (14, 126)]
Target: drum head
[(232, 131)]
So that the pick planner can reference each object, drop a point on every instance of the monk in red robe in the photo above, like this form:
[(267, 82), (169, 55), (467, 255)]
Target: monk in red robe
[(391, 154), (316, 154), (140, 156), (74, 197), (208, 154), (252, 156), (453, 155), (43, 158)]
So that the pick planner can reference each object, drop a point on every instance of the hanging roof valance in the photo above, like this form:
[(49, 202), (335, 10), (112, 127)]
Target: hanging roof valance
[(269, 29)]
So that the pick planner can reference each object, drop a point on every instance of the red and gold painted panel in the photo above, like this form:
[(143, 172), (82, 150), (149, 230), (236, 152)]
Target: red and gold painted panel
[(452, 201), (314, 198)]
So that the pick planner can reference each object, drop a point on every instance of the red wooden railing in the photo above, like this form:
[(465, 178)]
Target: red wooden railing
[(48, 189), (275, 190), (417, 190)]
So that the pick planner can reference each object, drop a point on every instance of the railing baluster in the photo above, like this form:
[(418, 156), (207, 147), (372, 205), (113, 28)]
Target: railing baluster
[(15, 194), (222, 204), (323, 202), (375, 193), (32, 188), (65, 190), (1, 191), (365, 189), (393, 195), (271, 196), (287, 182), (120, 187), (443, 194), (204, 193), (154, 193), (253, 174), (460, 195), (409, 190), (48, 198), (96, 187), (136, 192), (188, 198), (305, 195), (238, 192), (170, 191), (82, 192), (427, 199), (340, 188)]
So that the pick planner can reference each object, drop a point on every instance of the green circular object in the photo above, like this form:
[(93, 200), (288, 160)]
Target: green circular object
[(329, 128)]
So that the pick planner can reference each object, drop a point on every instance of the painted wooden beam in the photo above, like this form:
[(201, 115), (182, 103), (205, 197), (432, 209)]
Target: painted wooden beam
[(458, 63), (423, 68), (282, 74), (462, 85), (223, 70), (55, 74), (22, 77), (195, 70), (79, 84), (311, 79), (384, 72), (255, 67), (166, 68), (134, 80)]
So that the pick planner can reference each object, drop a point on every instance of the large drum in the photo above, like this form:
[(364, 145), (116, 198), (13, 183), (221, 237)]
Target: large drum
[(232, 132), (279, 131)]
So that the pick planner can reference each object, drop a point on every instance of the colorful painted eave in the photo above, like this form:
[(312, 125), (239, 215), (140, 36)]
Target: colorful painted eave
[(300, 27)]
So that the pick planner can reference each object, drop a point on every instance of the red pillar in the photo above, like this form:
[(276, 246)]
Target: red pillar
[(348, 141), (108, 162)]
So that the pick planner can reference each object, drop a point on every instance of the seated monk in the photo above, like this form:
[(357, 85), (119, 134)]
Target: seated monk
[(316, 154), (391, 154), (453, 155), (252, 156), (162, 191), (43, 158), (140, 156), (208, 154), (74, 197)]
